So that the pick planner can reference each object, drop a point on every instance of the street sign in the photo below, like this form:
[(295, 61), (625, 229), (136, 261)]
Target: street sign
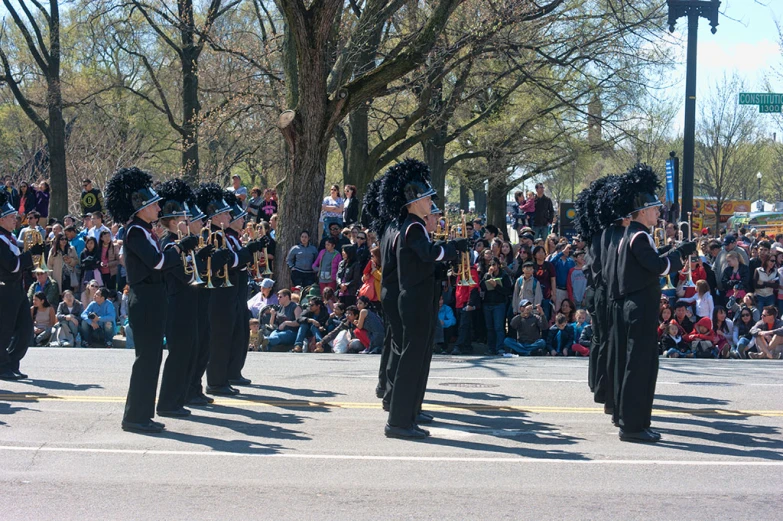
[(760, 98), (770, 109)]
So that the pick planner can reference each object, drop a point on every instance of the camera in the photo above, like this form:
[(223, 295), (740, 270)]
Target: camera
[(301, 320), (92, 316)]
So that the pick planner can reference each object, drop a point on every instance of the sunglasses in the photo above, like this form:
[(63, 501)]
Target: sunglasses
[(362, 238)]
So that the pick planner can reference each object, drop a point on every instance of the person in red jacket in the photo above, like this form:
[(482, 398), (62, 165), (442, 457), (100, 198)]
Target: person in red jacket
[(703, 339)]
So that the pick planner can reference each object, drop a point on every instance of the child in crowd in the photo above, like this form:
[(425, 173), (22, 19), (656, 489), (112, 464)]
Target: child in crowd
[(672, 343), (579, 327), (529, 208), (664, 316), (703, 339), (703, 299), (577, 281), (443, 327), (255, 335), (561, 337)]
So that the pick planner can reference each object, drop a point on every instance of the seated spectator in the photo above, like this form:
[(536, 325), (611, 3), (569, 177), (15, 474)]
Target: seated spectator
[(285, 321), (263, 298), (664, 316), (369, 323), (768, 333), (724, 329), (98, 320), (330, 299), (44, 319), (339, 332), (586, 338), (528, 326), (703, 299), (672, 343), (312, 324), (703, 339), (682, 316), (561, 337), (743, 340), (446, 321), (69, 316), (568, 309), (45, 285), (579, 326), (257, 341)]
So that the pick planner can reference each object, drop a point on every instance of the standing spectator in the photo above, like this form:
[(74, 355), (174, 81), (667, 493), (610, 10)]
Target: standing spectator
[(91, 199), (76, 242), (762, 254), (300, 260), (577, 281), (544, 213), (335, 232), (43, 318), (563, 264), (96, 218), (43, 284), (27, 199), (42, 199), (372, 271), (528, 327), (63, 261), (735, 277), (729, 245), (544, 272), (89, 261), (13, 193), (98, 320), (273, 226), (254, 205), (239, 190), (497, 289), (350, 206), (109, 262), (526, 288), (703, 299), (326, 265), (468, 301), (362, 250), (766, 280), (268, 206), (69, 315), (332, 208), (349, 276)]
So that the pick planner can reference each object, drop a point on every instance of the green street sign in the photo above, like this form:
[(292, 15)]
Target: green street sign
[(770, 109), (760, 98)]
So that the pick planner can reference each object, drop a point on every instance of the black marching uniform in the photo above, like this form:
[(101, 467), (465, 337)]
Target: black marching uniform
[(182, 333), (416, 259), (241, 337), (16, 323), (616, 339), (198, 363), (598, 308), (639, 269), (390, 294), (146, 264)]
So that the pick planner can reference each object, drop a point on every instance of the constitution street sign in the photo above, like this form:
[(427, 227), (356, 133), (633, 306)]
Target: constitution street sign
[(760, 98)]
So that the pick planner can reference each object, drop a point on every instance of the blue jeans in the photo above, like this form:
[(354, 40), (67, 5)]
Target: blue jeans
[(102, 335), (541, 232), (761, 302), (494, 316), (524, 349), (282, 337), (306, 331)]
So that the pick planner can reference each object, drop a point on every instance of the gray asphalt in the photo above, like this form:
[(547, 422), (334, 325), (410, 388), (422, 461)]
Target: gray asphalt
[(515, 438)]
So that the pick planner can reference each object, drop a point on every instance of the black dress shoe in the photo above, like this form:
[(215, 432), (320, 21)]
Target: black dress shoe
[(176, 413), (222, 390), (148, 427), (404, 432), (424, 418), (653, 433), (608, 409), (379, 393), (20, 375), (425, 431), (9, 375), (240, 381), (158, 424), (641, 436), (199, 401)]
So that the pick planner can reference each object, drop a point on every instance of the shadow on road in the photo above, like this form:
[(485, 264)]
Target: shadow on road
[(309, 393), (259, 426), (61, 386), (235, 446), (294, 405), (7, 408), (697, 400), (493, 397)]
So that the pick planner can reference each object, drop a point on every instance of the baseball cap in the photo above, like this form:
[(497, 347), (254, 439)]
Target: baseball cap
[(524, 303), (267, 283), (729, 239)]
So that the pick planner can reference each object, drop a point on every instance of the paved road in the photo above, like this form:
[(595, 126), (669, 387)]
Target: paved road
[(515, 439)]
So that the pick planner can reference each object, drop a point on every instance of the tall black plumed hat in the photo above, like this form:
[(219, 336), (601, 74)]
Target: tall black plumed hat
[(638, 188), (583, 207), (236, 210), (371, 206), (5, 207), (175, 195), (209, 198), (128, 191), (404, 183)]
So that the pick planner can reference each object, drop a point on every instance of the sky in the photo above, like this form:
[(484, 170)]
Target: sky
[(747, 42)]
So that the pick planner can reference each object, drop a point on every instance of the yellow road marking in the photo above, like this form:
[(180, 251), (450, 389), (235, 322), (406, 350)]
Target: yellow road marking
[(302, 404)]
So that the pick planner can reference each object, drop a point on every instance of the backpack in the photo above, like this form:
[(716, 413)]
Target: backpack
[(521, 281)]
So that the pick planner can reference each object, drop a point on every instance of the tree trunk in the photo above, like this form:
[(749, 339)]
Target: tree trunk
[(58, 204), (480, 199), (496, 205), (190, 114), (435, 157), (464, 196), (358, 171)]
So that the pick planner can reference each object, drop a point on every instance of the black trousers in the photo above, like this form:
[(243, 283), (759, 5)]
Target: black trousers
[(391, 343), (616, 355), (600, 346), (591, 366), (416, 323), (223, 319), (425, 370), (182, 344), (241, 336), (198, 364), (147, 318), (640, 371), (16, 325)]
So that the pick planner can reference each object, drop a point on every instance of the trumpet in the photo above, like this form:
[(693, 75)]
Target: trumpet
[(190, 267), (32, 238), (215, 238), (465, 277)]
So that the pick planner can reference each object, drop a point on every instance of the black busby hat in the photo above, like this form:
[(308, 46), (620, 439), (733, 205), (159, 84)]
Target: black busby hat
[(209, 198), (237, 212), (371, 207), (5, 206), (608, 204), (402, 184), (174, 194), (128, 191), (638, 187)]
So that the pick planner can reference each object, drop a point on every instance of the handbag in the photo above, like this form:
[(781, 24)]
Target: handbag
[(368, 289)]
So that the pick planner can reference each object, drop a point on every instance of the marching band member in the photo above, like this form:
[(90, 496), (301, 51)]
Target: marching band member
[(130, 197), (16, 322)]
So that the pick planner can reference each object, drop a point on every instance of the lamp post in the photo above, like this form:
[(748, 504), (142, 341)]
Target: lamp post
[(759, 204), (692, 9)]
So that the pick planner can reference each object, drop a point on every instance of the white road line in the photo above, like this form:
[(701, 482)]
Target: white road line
[(552, 380), (447, 459)]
